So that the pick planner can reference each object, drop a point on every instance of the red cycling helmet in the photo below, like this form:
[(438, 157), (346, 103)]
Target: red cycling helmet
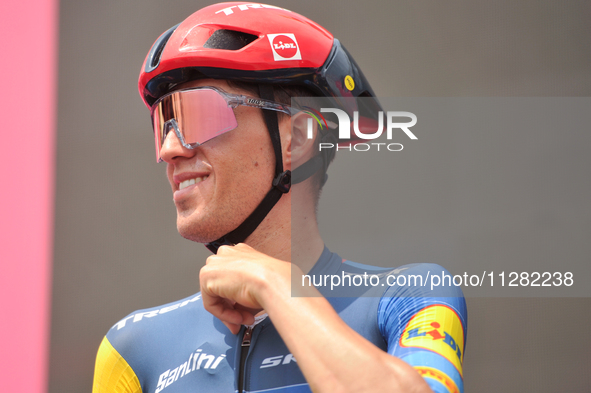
[(270, 45), (265, 45)]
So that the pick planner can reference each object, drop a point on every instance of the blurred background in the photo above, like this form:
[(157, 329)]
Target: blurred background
[(116, 248)]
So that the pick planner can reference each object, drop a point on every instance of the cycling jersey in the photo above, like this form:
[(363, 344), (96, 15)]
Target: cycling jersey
[(180, 347)]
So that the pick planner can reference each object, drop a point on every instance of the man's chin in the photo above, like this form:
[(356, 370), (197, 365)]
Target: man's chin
[(199, 234), (204, 228)]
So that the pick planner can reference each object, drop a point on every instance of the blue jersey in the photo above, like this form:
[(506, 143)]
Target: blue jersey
[(181, 348)]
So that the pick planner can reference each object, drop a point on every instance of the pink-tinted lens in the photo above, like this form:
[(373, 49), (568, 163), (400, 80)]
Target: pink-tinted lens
[(200, 114)]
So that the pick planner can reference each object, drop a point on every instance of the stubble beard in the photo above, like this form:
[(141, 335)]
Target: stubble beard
[(210, 224)]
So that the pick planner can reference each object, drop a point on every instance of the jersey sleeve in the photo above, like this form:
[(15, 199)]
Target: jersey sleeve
[(426, 329), (112, 373)]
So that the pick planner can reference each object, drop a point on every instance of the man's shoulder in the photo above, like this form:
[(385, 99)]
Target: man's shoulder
[(160, 315), (415, 268), (415, 280), (147, 329), (421, 273), (156, 339), (348, 278)]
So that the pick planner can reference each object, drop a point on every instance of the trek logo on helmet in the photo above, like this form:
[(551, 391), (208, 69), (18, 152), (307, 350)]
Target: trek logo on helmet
[(284, 46), (246, 7)]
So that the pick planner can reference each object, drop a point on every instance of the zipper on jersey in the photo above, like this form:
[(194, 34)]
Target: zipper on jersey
[(243, 353)]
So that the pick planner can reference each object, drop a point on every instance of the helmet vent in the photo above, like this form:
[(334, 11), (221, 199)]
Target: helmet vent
[(153, 59), (229, 40)]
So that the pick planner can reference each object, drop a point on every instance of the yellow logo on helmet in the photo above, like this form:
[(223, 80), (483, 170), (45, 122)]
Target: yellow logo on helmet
[(349, 83), (439, 329)]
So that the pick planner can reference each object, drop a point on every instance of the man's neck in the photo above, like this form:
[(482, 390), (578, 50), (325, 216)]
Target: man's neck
[(290, 233)]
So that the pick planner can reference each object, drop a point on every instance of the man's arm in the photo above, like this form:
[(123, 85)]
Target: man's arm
[(239, 281)]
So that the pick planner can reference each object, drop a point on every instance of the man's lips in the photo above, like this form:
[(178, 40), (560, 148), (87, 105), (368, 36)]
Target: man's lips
[(190, 182), (184, 180), (184, 188)]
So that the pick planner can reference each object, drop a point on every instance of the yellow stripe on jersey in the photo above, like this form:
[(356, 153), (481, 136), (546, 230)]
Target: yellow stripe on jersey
[(112, 374)]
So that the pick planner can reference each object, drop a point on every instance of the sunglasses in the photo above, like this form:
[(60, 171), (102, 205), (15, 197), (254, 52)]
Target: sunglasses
[(201, 113)]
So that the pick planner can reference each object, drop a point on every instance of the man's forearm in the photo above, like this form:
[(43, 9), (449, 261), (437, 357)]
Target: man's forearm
[(332, 356)]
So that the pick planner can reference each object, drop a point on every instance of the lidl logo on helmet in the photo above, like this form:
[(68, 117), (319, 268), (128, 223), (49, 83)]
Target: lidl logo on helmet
[(284, 47)]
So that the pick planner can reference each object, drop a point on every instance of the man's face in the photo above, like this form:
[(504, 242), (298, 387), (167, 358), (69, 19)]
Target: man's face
[(228, 175)]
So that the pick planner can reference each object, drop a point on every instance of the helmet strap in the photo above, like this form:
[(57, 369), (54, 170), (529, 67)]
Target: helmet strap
[(281, 182)]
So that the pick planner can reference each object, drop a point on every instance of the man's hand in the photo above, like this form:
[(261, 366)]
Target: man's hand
[(233, 283)]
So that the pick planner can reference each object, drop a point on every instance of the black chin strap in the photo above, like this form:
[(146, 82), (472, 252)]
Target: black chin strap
[(281, 182)]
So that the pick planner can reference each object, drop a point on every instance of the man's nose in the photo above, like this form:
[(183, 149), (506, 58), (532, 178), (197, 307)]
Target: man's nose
[(173, 148)]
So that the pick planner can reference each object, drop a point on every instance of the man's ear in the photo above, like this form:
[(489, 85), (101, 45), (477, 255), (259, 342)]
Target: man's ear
[(301, 143)]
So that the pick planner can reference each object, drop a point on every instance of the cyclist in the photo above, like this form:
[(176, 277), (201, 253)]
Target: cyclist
[(219, 88)]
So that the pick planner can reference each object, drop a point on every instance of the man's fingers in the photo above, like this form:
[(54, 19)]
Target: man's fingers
[(247, 317), (247, 313), (231, 314), (222, 309), (232, 327)]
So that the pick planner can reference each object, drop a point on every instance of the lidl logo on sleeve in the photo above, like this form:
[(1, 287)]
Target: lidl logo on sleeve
[(439, 376), (439, 329)]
